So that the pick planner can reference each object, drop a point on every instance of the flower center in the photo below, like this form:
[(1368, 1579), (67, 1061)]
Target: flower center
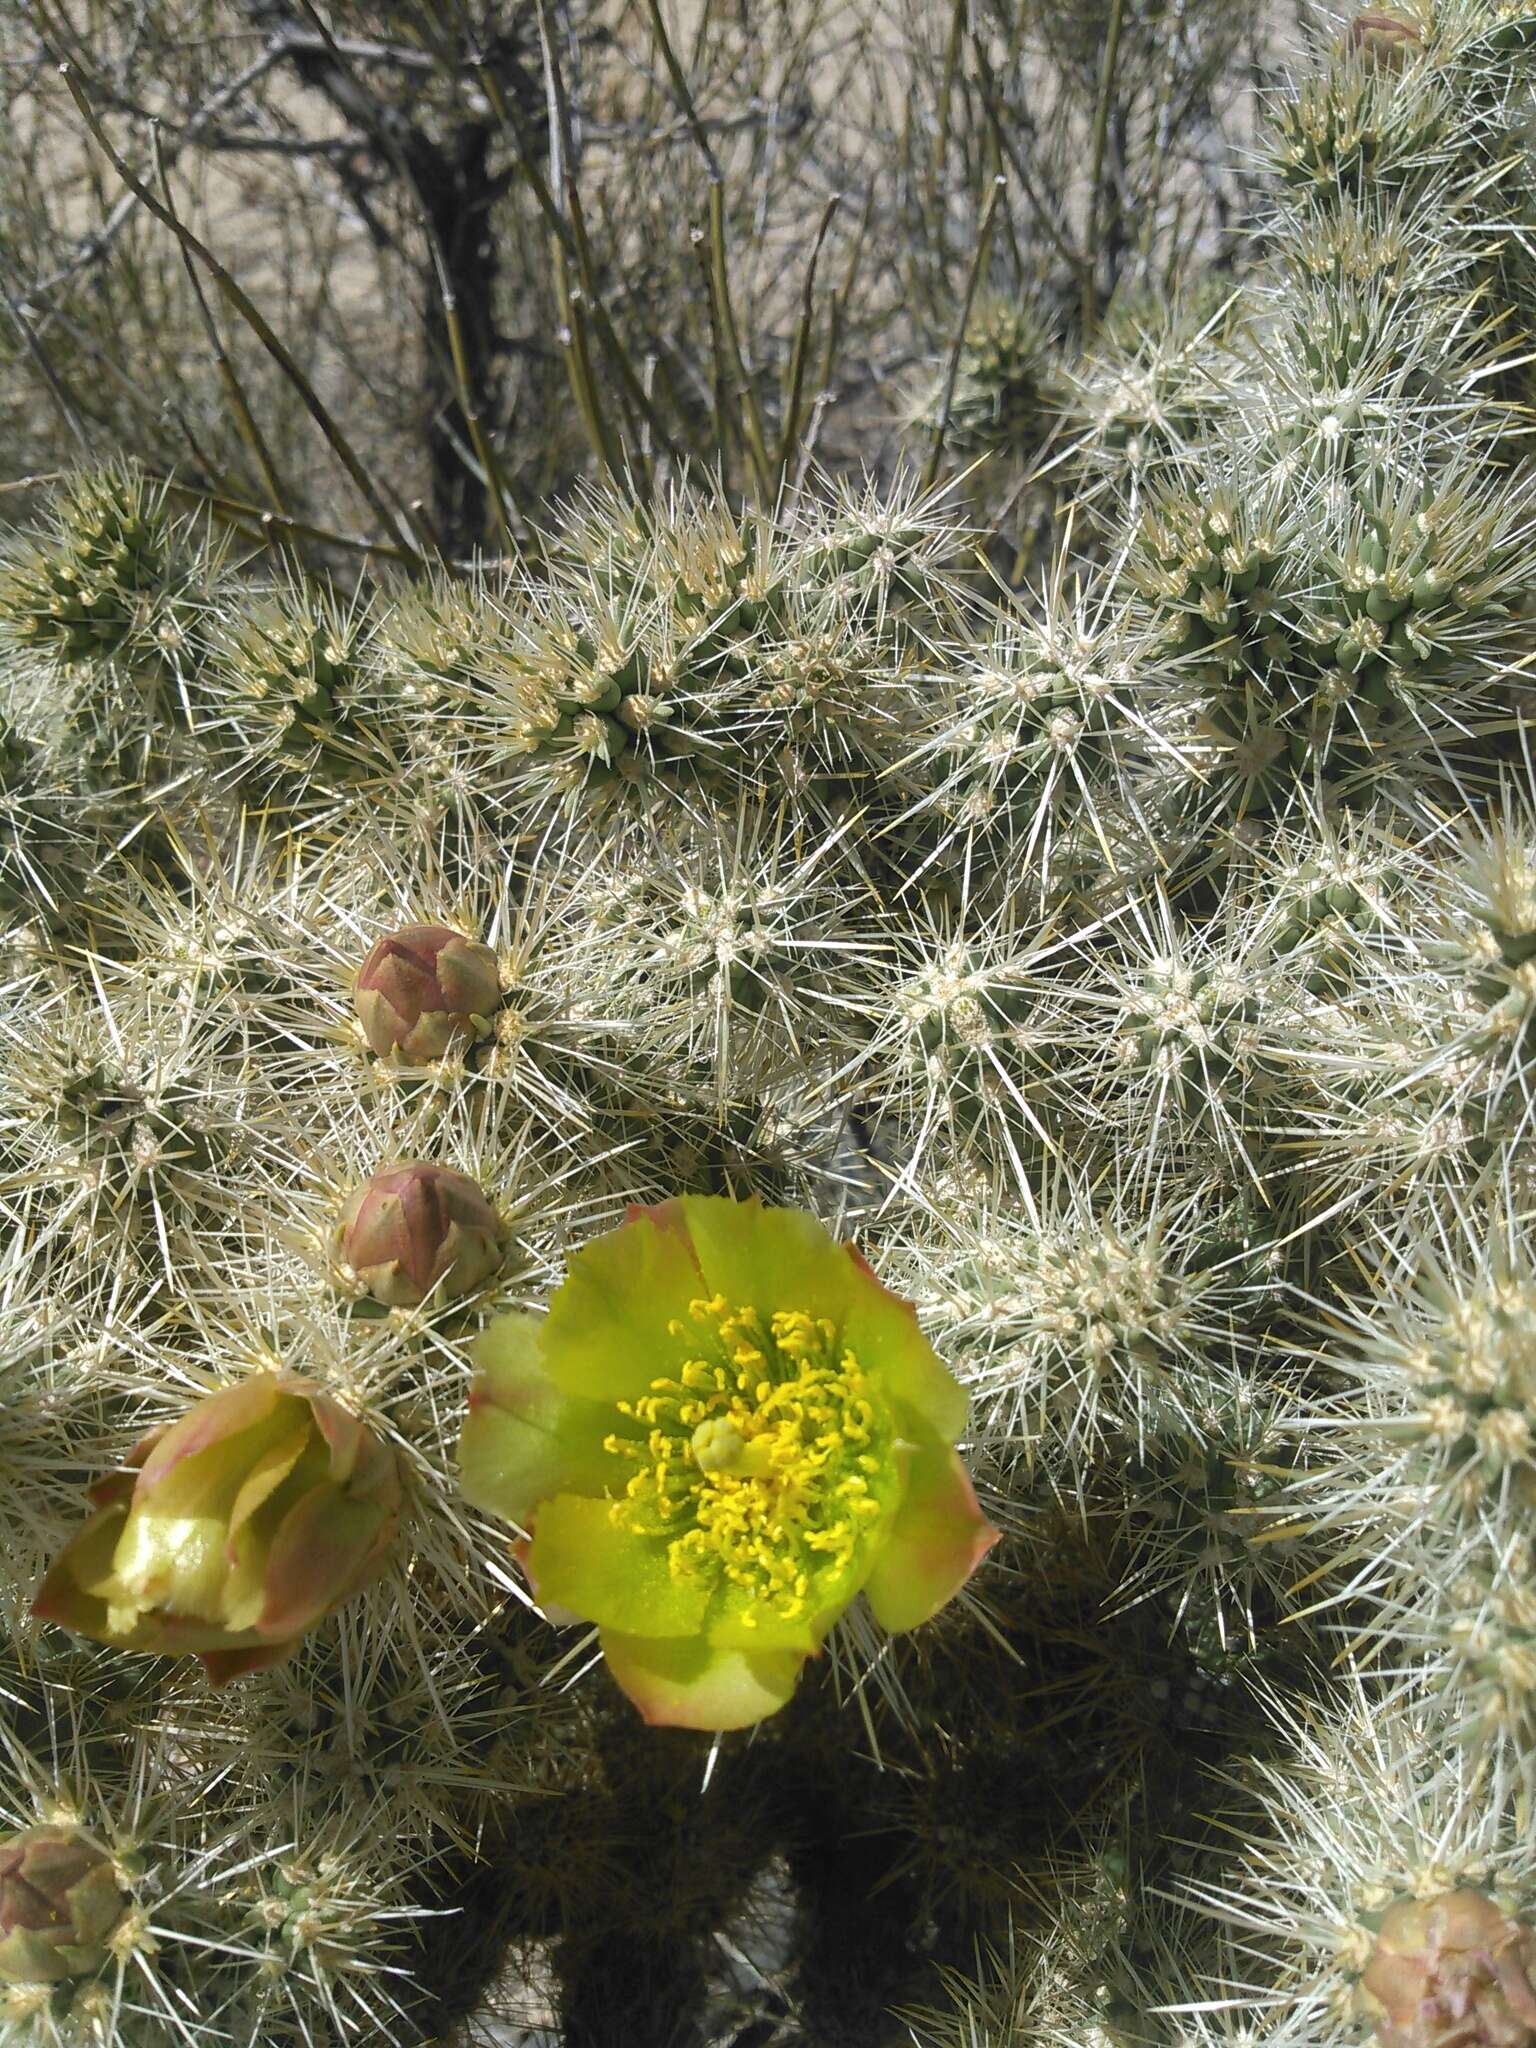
[(760, 1461)]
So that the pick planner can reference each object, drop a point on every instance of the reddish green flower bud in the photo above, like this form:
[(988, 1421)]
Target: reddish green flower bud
[(241, 1525), (423, 987), (59, 1901), (415, 1229), (1451, 1969), (1384, 39)]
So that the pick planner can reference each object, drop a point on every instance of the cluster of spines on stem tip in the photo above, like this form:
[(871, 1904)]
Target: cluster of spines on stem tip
[(1001, 395)]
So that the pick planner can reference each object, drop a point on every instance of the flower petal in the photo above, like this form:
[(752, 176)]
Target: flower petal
[(117, 1487), (881, 1330), (325, 1548), (739, 1621), (346, 1436), (211, 1421), (171, 1635), (523, 1440), (605, 1337), (688, 1684), (176, 1563), (772, 1258), (582, 1560), (270, 1468), (223, 1665), (556, 1615), (937, 1539), (68, 1594)]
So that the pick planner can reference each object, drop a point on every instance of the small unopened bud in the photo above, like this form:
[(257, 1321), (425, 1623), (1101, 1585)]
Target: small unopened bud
[(1451, 1969), (421, 988), (59, 1900), (415, 1229), (1385, 39)]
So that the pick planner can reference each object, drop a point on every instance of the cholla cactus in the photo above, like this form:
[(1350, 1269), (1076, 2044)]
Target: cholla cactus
[(1484, 946), (1445, 1381), (1466, 1613), (1364, 1893), (1154, 388), (1033, 740), (1208, 1517), (192, 1917), (118, 1119), (698, 646), (1078, 1329), (740, 945), (286, 697), (120, 575), (452, 1023), (1378, 118), (971, 1039), (38, 848), (1004, 378)]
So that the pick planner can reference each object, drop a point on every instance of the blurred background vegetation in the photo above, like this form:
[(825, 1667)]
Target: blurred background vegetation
[(497, 248)]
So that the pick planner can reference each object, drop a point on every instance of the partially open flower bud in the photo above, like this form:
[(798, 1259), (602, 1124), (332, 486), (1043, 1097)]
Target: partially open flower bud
[(58, 1903), (263, 1508), (1451, 1972), (1384, 39), (421, 988), (415, 1229)]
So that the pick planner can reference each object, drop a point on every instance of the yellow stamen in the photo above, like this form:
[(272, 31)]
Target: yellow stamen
[(757, 1462)]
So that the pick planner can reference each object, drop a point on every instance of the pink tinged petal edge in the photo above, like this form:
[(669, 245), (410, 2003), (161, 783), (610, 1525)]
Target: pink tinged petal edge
[(363, 1466), (670, 1215), (210, 1421), (937, 1539), (375, 1476), (345, 1434), (681, 1682), (118, 1486), (326, 1548), (223, 1666)]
